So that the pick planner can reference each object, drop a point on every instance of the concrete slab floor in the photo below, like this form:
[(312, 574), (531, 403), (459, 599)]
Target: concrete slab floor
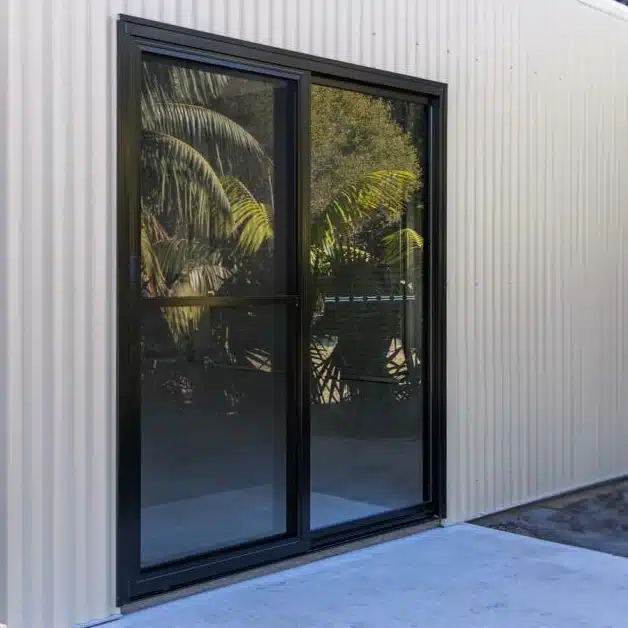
[(594, 518), (463, 576)]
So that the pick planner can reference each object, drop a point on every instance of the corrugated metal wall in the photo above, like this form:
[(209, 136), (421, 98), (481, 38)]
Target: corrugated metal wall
[(60, 262), (537, 295), (4, 31)]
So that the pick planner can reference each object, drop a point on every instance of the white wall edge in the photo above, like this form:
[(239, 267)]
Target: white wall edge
[(610, 7)]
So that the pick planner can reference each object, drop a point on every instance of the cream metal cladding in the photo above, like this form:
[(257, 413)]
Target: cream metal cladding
[(4, 32), (537, 297)]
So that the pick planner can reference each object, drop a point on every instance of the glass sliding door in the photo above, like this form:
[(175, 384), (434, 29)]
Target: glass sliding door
[(280, 304), (367, 349), (216, 268)]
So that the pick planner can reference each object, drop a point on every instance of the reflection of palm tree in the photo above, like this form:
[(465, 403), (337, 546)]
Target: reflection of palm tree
[(333, 228), (200, 221), (191, 207), (351, 341)]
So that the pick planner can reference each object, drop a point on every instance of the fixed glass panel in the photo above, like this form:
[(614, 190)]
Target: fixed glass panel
[(213, 182), (213, 428), (367, 365)]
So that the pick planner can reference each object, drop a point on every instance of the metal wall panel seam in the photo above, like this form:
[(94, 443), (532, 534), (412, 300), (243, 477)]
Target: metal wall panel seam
[(4, 311), (15, 347)]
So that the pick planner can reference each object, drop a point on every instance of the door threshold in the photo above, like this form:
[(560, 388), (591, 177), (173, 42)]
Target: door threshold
[(315, 555)]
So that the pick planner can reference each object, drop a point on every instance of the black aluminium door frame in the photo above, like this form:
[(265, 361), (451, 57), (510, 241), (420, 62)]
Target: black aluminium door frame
[(133, 581), (136, 37)]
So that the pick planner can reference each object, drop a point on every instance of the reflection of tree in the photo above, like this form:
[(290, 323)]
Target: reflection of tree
[(194, 211), (207, 214), (369, 147)]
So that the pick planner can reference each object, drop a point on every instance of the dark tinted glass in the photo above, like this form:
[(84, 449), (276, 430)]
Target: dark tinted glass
[(213, 429), (211, 215), (213, 224), (367, 421)]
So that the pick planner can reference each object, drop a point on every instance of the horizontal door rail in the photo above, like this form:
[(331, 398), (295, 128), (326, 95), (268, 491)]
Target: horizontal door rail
[(214, 301), (174, 356)]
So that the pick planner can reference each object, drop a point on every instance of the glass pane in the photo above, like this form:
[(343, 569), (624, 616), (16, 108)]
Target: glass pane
[(210, 202), (367, 325), (213, 429)]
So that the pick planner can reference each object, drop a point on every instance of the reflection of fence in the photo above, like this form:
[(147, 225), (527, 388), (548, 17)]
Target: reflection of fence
[(370, 298)]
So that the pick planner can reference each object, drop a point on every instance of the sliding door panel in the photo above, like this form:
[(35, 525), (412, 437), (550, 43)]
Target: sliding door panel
[(366, 352), (213, 182), (215, 310)]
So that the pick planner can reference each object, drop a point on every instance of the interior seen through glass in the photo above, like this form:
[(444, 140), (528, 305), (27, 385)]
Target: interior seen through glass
[(215, 380)]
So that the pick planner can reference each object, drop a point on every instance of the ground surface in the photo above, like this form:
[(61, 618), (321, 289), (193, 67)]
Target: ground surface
[(596, 519), (465, 576)]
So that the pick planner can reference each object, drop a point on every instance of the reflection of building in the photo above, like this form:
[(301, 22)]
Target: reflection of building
[(233, 345)]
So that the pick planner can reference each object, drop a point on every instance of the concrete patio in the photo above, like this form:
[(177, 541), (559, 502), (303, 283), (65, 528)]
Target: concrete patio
[(463, 576)]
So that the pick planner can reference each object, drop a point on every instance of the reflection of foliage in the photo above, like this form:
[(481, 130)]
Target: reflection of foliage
[(356, 202), (365, 174), (253, 218), (353, 135), (207, 210), (399, 245), (328, 364), (190, 203)]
